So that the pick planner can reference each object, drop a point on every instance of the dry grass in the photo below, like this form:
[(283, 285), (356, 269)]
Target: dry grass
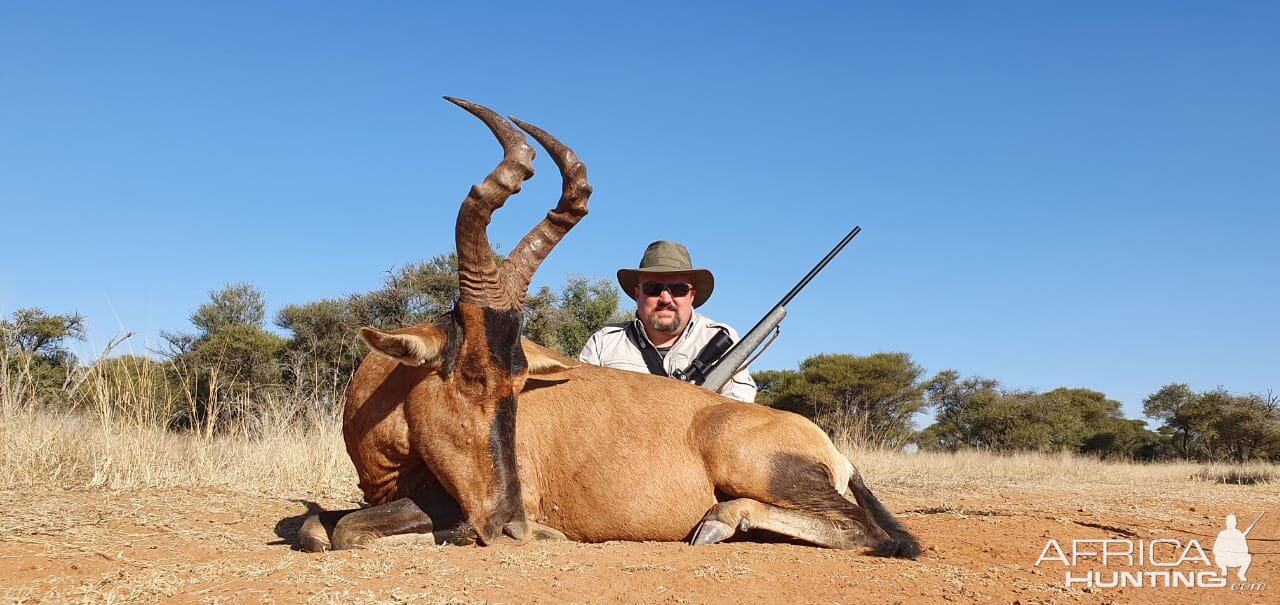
[(73, 450), (1034, 469), (116, 435), (1240, 475), (70, 450)]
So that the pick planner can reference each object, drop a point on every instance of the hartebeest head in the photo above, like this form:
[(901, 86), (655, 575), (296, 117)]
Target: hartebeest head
[(469, 365)]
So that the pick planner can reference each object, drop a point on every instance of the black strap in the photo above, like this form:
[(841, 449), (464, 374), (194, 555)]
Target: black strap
[(650, 355)]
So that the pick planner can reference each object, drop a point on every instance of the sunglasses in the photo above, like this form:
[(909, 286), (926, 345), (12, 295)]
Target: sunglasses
[(655, 289)]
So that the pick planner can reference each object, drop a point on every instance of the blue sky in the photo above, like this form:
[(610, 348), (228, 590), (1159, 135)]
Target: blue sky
[(1052, 194)]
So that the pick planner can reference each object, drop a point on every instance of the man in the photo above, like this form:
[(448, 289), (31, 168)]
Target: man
[(667, 334)]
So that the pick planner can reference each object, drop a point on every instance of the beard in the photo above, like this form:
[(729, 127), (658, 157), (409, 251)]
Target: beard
[(669, 326)]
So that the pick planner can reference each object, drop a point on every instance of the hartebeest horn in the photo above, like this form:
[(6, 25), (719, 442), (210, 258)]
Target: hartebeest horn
[(478, 278), (519, 268)]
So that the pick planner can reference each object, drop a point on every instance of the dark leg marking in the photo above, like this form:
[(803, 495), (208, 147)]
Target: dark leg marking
[(727, 518), (800, 485), (901, 542), (339, 530)]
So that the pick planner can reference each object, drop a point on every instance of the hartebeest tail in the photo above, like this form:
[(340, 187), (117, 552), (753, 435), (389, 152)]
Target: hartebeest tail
[(901, 542)]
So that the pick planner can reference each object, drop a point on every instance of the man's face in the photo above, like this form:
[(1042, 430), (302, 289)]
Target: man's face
[(664, 313)]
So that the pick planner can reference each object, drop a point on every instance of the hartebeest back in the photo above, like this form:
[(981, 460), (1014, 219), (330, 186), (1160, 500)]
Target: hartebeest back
[(440, 445)]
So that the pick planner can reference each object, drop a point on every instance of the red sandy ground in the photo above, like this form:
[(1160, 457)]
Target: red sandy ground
[(209, 546)]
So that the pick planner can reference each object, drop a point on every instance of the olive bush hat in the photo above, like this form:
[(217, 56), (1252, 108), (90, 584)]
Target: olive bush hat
[(668, 257)]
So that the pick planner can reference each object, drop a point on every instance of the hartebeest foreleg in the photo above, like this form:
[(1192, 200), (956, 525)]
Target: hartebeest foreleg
[(338, 530), (402, 519)]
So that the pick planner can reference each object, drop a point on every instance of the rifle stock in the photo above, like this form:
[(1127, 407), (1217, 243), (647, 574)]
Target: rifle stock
[(733, 360), (738, 355)]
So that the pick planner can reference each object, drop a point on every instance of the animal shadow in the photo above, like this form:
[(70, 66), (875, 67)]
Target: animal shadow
[(287, 528)]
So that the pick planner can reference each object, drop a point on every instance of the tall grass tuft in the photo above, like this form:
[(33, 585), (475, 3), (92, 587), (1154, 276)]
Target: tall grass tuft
[(119, 435)]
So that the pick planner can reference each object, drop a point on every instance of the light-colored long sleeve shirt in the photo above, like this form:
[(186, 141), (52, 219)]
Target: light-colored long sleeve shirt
[(614, 346)]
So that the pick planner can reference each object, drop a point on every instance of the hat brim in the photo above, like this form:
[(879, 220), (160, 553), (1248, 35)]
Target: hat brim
[(703, 282)]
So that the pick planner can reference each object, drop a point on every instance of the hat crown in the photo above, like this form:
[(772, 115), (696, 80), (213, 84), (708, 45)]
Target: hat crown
[(665, 255)]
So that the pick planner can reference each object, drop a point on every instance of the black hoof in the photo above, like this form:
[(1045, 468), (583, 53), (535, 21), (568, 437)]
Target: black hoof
[(710, 532), (903, 549)]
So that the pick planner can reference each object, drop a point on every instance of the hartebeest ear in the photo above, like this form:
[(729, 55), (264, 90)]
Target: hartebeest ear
[(413, 346), (543, 360)]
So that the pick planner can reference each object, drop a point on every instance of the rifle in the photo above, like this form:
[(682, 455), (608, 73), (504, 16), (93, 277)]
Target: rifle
[(714, 367), (1255, 522)]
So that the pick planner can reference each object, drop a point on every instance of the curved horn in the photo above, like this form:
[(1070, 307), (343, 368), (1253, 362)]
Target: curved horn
[(524, 260), (478, 278)]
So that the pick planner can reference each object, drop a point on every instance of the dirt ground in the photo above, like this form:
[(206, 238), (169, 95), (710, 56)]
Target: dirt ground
[(981, 545)]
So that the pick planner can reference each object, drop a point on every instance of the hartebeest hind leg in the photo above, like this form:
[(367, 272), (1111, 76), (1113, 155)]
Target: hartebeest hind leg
[(808, 508), (727, 518), (780, 472)]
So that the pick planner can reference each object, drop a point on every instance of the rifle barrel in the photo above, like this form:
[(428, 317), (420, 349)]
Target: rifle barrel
[(1255, 522), (818, 267), (723, 370)]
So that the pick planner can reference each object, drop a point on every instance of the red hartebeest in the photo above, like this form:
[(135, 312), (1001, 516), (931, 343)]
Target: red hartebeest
[(592, 453)]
